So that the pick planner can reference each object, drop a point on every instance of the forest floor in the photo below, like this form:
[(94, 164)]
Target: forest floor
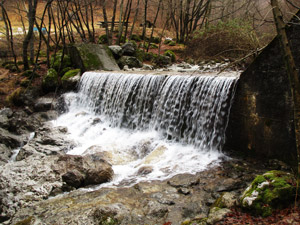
[(290, 215)]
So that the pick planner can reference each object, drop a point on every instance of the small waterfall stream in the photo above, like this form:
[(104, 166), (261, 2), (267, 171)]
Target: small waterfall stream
[(150, 126)]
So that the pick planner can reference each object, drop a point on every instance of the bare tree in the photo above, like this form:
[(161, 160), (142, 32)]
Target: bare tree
[(9, 32), (32, 5)]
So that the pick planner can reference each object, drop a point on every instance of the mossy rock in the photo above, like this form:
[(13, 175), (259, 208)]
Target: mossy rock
[(272, 190), (50, 81), (90, 57), (171, 54), (69, 74), (70, 79), (130, 61), (55, 61), (162, 60)]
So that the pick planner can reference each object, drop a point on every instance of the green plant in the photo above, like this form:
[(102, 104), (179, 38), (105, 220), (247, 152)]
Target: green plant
[(103, 39), (172, 43), (171, 54), (135, 37)]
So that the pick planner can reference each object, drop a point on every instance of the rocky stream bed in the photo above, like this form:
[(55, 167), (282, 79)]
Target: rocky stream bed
[(43, 185)]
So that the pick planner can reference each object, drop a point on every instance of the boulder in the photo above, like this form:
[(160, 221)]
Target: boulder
[(130, 61), (128, 49), (116, 51), (9, 139), (70, 80), (89, 57), (78, 171), (162, 60), (45, 103), (5, 154), (216, 214), (273, 189), (50, 81)]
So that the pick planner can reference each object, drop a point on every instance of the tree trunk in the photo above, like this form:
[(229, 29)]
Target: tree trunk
[(32, 4), (291, 71), (135, 18)]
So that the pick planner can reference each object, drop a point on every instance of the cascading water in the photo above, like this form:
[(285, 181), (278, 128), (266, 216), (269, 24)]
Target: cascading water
[(150, 126)]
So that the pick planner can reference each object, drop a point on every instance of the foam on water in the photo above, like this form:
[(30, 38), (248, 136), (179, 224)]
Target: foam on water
[(150, 126)]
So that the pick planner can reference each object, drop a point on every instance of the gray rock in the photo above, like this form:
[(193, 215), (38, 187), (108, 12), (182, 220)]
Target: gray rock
[(9, 139), (116, 50), (130, 61), (6, 112), (145, 170), (85, 170), (216, 215), (147, 67), (71, 83), (92, 57), (45, 103), (24, 182), (5, 154), (128, 49), (48, 140), (162, 61)]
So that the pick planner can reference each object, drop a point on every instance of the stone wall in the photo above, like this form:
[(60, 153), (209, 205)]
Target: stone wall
[(261, 120)]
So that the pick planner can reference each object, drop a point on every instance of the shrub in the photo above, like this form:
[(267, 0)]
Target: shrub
[(172, 43), (231, 39), (135, 37), (103, 39), (155, 40), (171, 54), (15, 97)]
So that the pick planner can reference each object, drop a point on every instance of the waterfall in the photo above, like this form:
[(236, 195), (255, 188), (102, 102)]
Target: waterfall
[(152, 111)]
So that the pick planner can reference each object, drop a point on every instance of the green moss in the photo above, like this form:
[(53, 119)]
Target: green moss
[(15, 97), (148, 56), (103, 39), (26, 221), (155, 40), (172, 43), (69, 74), (274, 189), (89, 58), (140, 55), (50, 81), (135, 37), (55, 61), (171, 54)]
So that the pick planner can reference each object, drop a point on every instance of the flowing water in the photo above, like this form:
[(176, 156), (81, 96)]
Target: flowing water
[(150, 126)]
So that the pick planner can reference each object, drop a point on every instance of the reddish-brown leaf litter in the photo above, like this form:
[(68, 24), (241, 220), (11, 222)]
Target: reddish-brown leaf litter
[(286, 216)]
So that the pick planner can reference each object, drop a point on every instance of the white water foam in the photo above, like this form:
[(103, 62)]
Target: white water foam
[(144, 152)]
